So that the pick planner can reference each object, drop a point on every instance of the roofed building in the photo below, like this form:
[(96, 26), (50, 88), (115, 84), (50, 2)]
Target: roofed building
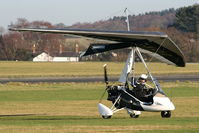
[(63, 57)]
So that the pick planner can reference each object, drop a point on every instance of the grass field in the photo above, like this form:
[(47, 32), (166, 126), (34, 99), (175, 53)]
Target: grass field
[(72, 108), (46, 69)]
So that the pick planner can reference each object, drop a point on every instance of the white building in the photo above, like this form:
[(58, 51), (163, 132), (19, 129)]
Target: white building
[(64, 57), (43, 57)]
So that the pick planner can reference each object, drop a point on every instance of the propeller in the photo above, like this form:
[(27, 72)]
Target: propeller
[(105, 80), (105, 75)]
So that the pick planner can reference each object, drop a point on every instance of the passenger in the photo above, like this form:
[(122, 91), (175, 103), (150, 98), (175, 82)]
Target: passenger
[(140, 90)]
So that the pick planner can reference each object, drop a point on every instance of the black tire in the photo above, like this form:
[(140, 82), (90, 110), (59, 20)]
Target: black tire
[(134, 116), (106, 117), (166, 114)]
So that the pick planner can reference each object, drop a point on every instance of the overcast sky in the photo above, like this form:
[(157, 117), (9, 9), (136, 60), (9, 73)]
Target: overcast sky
[(73, 11)]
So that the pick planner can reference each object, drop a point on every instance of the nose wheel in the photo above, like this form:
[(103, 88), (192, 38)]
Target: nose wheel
[(106, 117), (166, 114)]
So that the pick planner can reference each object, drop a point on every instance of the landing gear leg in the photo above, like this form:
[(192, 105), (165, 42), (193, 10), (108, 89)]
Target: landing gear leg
[(166, 114)]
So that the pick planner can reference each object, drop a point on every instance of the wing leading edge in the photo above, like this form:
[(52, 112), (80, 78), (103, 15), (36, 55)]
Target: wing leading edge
[(155, 42)]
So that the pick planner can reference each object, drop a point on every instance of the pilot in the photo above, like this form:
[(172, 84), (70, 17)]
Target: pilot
[(140, 88)]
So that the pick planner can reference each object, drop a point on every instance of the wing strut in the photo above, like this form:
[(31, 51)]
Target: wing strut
[(130, 67), (149, 73)]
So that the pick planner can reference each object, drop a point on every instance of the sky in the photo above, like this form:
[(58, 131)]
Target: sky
[(73, 11)]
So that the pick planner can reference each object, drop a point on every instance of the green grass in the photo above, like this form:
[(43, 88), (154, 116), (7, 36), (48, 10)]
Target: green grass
[(72, 108), (48, 69), (77, 91), (49, 92)]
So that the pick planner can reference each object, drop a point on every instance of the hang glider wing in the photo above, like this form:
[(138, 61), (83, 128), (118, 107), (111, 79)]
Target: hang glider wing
[(155, 42)]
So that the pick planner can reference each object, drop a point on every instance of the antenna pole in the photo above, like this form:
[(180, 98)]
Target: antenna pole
[(127, 18)]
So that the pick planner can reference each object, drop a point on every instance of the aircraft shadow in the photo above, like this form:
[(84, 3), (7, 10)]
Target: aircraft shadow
[(20, 115), (43, 117)]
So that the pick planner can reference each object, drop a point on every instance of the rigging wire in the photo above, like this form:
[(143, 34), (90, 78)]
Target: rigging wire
[(157, 50), (121, 11), (102, 96), (152, 57)]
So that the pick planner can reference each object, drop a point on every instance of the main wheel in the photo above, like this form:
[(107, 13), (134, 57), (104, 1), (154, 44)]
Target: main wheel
[(134, 116), (106, 117), (166, 114)]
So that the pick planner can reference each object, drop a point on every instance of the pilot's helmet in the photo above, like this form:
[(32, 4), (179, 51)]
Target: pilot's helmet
[(143, 77)]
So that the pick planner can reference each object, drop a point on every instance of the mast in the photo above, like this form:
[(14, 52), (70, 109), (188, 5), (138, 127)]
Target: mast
[(130, 62), (127, 19)]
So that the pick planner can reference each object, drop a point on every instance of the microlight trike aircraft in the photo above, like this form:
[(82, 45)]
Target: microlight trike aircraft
[(124, 95)]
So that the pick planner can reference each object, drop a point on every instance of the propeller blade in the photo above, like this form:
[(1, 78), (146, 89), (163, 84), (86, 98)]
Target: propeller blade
[(106, 81), (105, 74)]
